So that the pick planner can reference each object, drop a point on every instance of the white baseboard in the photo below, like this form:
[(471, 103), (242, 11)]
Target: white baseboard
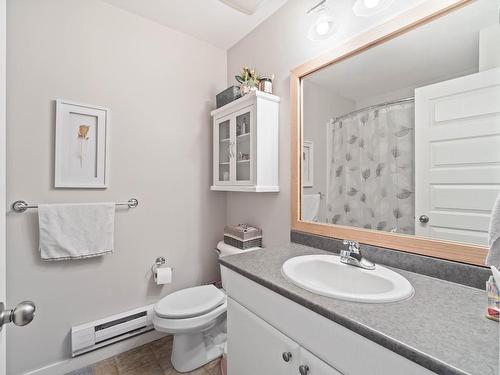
[(72, 364)]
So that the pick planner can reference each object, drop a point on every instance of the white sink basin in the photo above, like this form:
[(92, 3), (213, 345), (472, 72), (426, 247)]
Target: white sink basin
[(327, 276)]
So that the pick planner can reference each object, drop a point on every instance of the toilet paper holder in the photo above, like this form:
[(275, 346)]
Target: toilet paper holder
[(159, 262)]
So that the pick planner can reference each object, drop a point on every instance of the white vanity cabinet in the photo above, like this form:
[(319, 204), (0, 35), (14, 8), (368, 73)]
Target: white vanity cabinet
[(245, 144), (259, 348), (262, 325)]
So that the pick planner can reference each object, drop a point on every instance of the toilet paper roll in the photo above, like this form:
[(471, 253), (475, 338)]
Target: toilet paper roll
[(163, 275)]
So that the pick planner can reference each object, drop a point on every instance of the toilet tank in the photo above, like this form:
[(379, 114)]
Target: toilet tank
[(223, 278), (224, 249)]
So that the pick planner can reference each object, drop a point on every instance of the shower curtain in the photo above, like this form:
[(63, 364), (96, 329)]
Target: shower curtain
[(370, 166)]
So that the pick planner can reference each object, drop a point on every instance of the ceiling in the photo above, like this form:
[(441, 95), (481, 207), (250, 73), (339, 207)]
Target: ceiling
[(445, 48), (210, 20)]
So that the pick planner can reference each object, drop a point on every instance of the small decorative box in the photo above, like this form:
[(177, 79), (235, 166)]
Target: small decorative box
[(227, 96), (242, 236)]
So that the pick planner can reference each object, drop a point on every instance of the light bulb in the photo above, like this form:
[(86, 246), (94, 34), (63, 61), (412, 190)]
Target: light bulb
[(323, 27), (370, 4), (368, 8)]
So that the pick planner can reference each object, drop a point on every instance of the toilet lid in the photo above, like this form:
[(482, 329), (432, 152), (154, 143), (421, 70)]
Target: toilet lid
[(190, 302)]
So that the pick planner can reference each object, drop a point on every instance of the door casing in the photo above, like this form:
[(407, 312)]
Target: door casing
[(3, 85)]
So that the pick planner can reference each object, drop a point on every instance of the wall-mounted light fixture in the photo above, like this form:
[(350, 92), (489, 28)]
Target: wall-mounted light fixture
[(367, 8), (323, 25)]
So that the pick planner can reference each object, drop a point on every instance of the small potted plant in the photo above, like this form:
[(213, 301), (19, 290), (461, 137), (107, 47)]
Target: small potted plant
[(248, 79)]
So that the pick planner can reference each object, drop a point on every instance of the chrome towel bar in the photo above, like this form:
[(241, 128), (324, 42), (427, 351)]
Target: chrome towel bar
[(21, 206)]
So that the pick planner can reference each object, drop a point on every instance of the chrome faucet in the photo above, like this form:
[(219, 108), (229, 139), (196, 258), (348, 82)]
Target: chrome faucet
[(353, 257)]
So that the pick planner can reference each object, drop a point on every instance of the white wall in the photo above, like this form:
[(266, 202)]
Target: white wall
[(276, 46), (406, 92), (320, 105), (159, 85), (386, 97)]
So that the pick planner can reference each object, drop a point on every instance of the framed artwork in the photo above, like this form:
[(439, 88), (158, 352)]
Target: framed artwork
[(308, 163), (82, 146)]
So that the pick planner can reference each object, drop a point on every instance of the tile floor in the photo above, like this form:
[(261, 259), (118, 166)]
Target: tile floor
[(149, 359)]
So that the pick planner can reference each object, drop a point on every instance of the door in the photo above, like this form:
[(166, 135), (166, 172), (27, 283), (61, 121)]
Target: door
[(457, 157), (223, 151), (244, 156), (255, 347)]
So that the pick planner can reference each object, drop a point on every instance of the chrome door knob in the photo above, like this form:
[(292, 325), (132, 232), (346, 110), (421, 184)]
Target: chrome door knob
[(304, 370), (21, 315), (287, 356), (423, 219)]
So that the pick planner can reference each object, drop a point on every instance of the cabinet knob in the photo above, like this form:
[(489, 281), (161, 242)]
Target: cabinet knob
[(304, 370), (423, 219), (287, 356)]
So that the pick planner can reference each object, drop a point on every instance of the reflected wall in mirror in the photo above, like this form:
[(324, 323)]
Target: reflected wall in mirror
[(407, 133)]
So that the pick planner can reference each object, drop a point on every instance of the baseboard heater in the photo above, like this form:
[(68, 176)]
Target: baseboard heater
[(103, 332)]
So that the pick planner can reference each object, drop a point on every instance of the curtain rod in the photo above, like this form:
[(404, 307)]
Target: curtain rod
[(397, 101)]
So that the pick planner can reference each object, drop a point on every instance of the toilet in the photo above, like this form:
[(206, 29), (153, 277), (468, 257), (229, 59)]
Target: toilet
[(196, 317)]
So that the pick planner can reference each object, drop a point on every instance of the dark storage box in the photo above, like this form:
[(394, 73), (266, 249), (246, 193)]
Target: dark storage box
[(227, 96), (242, 236), (243, 232), (256, 242)]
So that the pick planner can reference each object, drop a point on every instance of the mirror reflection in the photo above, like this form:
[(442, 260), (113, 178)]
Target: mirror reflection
[(405, 137)]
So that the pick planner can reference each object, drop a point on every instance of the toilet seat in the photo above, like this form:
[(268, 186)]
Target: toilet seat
[(190, 302), (189, 310), (188, 325)]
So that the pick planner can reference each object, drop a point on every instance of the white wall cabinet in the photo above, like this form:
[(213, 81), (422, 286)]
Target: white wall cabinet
[(245, 144), (258, 348)]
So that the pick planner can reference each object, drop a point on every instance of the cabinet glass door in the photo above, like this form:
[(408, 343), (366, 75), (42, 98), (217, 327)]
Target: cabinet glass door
[(244, 145), (224, 160)]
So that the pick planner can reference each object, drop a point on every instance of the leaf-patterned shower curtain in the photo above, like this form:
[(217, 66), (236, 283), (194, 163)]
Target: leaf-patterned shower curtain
[(370, 166)]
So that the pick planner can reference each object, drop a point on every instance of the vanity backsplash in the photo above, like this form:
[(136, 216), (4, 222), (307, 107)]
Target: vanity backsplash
[(465, 274)]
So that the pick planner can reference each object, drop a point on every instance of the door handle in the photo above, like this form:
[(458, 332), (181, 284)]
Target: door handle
[(424, 219), (21, 315)]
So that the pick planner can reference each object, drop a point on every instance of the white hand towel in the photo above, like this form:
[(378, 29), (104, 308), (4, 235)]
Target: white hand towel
[(310, 206), (75, 231), (493, 258)]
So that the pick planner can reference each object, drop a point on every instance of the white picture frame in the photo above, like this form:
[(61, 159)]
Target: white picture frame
[(81, 146), (308, 164)]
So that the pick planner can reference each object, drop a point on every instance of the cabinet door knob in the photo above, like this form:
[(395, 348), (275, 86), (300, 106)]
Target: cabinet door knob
[(287, 356), (423, 219), (304, 370)]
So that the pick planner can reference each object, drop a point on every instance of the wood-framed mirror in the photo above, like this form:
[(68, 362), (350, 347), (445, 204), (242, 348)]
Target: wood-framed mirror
[(405, 123)]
